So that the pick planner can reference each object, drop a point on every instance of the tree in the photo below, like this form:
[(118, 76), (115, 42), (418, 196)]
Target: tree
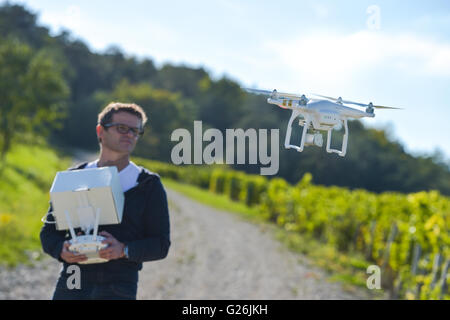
[(220, 103), (180, 79), (32, 92), (18, 21)]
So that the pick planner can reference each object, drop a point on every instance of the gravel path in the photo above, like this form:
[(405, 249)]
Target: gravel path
[(214, 255)]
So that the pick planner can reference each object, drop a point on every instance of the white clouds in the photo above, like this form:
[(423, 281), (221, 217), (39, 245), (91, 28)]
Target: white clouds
[(321, 11), (336, 57), (70, 18), (136, 37), (234, 7), (433, 58), (439, 63), (433, 21)]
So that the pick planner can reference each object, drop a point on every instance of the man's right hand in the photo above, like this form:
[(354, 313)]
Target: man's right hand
[(69, 256)]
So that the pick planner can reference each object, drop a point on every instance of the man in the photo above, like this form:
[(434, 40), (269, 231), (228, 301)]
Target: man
[(144, 233)]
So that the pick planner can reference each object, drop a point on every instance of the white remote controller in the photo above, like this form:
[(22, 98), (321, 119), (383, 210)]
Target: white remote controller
[(89, 246)]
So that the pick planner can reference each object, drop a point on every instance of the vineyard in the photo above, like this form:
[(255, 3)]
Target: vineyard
[(406, 235)]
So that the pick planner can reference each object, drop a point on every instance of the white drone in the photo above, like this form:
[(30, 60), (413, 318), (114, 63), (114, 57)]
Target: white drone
[(317, 114)]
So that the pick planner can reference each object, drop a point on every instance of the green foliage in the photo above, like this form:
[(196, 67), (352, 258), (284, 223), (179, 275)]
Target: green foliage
[(217, 184), (233, 185), (180, 79), (32, 92), (253, 186), (383, 228), (220, 103), (245, 188)]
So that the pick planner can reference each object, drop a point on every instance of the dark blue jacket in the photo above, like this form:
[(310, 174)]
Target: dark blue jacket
[(145, 229)]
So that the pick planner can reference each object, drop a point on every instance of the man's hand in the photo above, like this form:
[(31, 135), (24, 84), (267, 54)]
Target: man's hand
[(69, 256), (115, 248)]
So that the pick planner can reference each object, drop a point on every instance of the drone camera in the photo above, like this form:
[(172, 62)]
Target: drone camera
[(314, 139)]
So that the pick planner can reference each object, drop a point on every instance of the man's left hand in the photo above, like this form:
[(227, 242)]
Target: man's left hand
[(115, 248)]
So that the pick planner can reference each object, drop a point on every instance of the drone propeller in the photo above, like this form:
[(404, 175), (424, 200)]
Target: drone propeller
[(270, 93), (258, 91), (383, 107), (356, 103)]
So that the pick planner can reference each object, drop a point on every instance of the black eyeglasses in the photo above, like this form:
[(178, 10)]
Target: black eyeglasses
[(124, 129)]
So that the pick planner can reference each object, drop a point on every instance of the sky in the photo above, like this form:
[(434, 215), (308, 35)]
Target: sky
[(393, 53)]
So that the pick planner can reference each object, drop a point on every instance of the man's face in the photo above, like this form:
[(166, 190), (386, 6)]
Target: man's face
[(123, 143)]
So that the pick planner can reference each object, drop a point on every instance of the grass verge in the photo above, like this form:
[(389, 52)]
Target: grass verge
[(25, 180)]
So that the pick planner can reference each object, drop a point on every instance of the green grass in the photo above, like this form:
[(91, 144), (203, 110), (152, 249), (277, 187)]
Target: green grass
[(348, 269), (25, 180)]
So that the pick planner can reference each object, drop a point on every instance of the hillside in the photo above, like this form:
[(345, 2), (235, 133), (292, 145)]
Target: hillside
[(174, 96)]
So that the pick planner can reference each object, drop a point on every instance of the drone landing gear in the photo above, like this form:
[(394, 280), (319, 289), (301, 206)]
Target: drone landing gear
[(314, 138), (287, 145), (308, 139), (344, 141)]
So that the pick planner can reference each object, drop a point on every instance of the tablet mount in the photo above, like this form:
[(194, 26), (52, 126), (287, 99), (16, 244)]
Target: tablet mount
[(88, 218)]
